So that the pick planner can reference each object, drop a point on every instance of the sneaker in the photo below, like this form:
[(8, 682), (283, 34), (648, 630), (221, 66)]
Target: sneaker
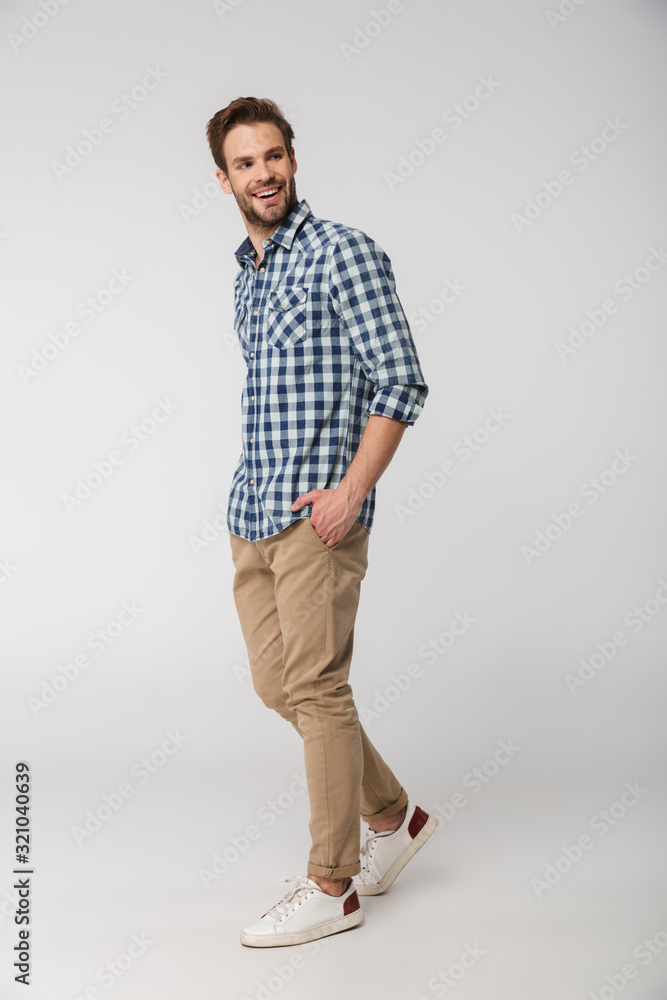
[(305, 913), (384, 855)]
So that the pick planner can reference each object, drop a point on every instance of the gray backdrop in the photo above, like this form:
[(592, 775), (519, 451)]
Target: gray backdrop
[(510, 159)]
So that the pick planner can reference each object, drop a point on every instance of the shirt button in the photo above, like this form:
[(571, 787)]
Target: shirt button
[(262, 269), (252, 481), (252, 354), (255, 313), (251, 440), (252, 397)]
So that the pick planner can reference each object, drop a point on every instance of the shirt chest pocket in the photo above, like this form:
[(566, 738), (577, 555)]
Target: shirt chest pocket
[(287, 316)]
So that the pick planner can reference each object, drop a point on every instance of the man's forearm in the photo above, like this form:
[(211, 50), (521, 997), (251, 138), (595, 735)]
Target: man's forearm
[(376, 449)]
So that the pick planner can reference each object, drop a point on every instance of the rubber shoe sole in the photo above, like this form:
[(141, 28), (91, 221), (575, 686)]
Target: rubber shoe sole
[(302, 937), (399, 863)]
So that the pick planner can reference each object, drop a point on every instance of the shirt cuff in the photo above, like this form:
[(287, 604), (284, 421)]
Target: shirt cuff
[(400, 402)]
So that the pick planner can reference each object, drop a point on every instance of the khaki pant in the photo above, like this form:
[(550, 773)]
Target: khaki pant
[(297, 601)]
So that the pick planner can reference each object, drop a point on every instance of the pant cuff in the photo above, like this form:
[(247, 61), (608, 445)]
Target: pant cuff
[(341, 872), (401, 801)]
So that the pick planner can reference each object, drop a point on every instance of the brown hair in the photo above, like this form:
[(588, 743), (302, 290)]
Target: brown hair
[(245, 111)]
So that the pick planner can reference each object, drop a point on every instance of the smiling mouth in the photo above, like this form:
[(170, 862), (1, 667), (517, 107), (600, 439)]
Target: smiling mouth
[(268, 195)]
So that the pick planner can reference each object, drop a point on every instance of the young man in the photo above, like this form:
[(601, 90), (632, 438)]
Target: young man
[(333, 379)]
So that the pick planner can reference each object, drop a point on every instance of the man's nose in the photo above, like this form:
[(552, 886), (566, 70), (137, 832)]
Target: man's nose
[(263, 172)]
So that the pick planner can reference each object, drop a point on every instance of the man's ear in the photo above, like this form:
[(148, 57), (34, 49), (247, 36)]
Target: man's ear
[(223, 180), (293, 160)]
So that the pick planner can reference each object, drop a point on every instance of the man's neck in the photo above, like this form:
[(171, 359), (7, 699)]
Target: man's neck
[(257, 237)]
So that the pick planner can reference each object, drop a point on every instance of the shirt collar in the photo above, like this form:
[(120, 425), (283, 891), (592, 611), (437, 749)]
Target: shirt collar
[(285, 234)]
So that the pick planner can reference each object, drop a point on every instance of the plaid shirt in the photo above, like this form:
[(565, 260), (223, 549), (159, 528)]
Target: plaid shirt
[(326, 343)]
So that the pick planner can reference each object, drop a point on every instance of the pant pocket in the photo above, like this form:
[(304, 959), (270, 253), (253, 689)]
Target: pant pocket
[(327, 548)]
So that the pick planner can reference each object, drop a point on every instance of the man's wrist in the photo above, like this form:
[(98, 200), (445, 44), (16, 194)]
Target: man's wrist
[(352, 491)]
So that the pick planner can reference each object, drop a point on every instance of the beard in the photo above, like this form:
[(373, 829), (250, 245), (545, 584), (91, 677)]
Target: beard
[(272, 215)]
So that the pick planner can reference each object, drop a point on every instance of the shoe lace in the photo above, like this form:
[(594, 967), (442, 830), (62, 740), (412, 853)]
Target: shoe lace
[(291, 898), (367, 852)]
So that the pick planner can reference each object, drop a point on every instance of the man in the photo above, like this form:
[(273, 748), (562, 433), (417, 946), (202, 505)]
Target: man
[(333, 380)]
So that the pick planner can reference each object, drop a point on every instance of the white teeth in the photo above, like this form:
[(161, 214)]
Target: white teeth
[(267, 194)]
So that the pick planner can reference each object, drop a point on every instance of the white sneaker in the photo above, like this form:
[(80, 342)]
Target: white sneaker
[(305, 913), (384, 855)]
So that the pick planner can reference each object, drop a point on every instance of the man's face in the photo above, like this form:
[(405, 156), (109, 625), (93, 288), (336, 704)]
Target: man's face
[(257, 163)]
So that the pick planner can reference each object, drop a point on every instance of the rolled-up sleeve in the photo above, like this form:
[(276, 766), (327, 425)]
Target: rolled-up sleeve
[(363, 293)]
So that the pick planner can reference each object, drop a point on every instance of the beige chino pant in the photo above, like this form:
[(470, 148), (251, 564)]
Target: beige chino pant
[(297, 601)]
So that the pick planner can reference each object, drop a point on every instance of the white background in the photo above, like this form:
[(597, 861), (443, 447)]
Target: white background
[(141, 202)]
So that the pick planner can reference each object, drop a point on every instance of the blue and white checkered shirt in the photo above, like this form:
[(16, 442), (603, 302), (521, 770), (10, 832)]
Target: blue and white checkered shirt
[(326, 343)]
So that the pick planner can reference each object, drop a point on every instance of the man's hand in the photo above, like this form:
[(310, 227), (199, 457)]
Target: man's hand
[(332, 515), (335, 511)]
